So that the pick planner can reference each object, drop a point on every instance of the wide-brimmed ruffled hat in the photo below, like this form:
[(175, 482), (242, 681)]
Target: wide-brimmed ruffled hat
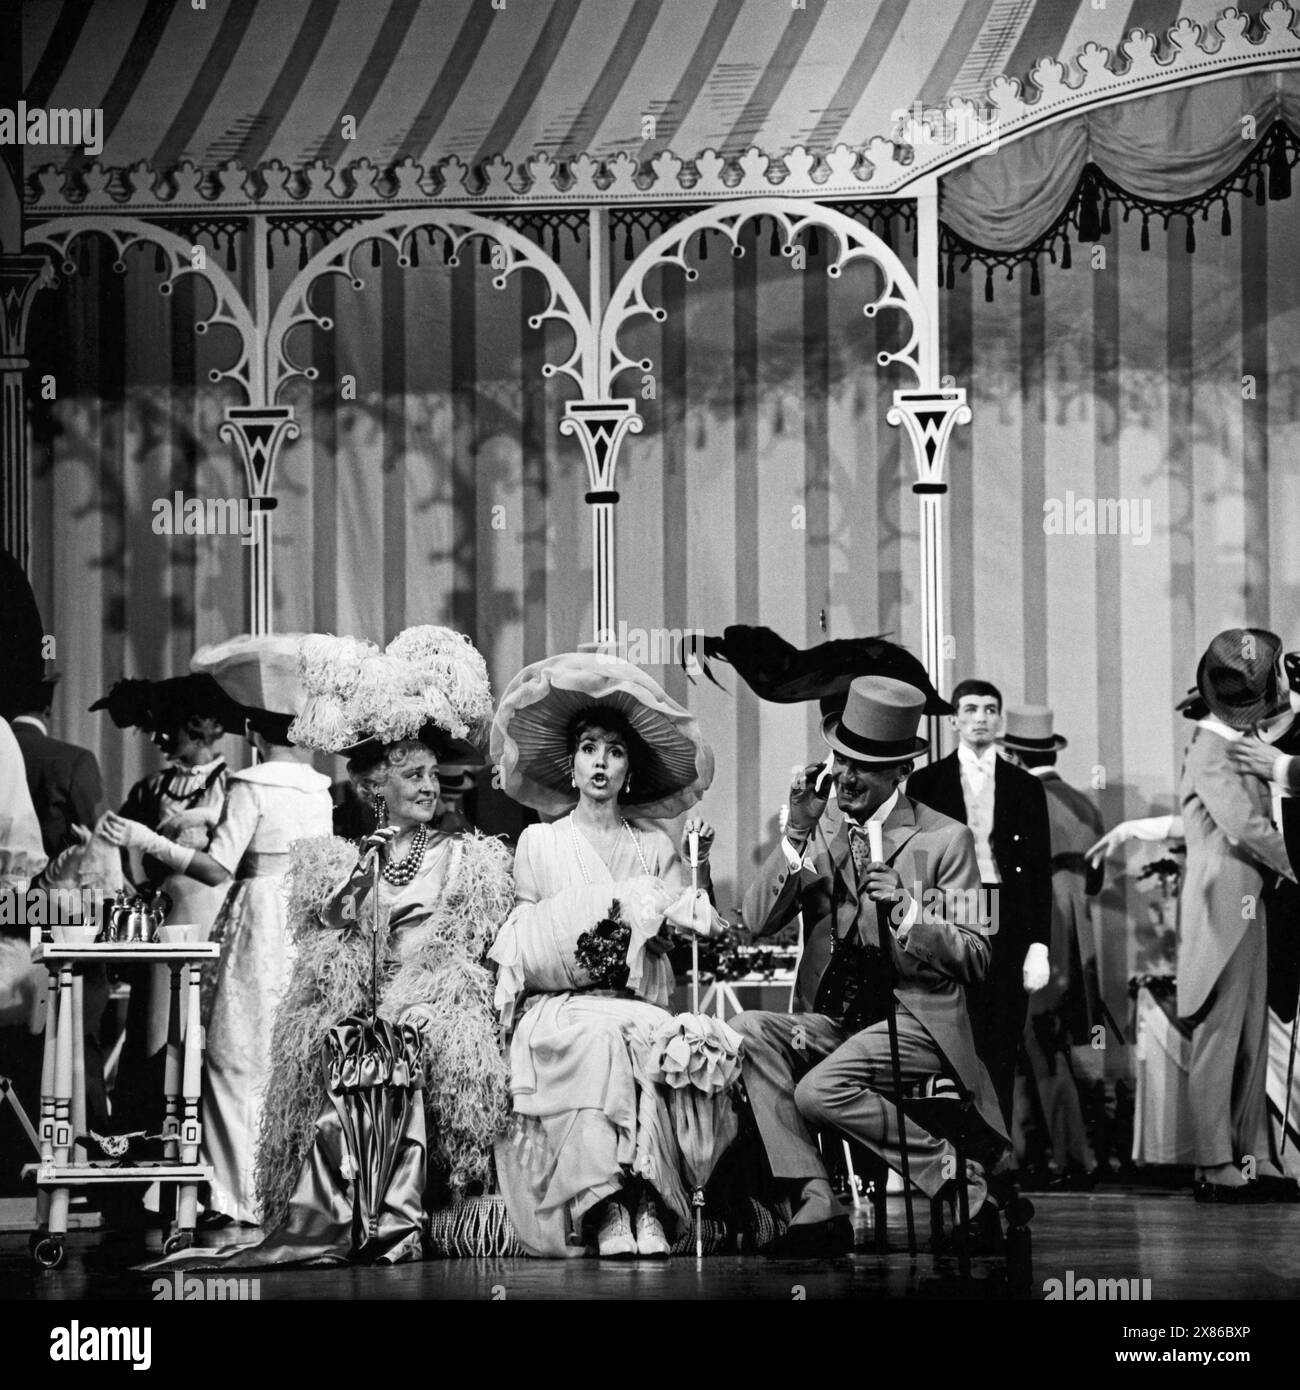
[(529, 743), (429, 683)]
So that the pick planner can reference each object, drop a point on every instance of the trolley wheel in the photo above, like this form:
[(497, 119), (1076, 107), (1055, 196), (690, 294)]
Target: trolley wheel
[(178, 1240), (48, 1252)]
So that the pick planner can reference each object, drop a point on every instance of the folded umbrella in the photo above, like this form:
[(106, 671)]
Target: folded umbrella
[(697, 1059)]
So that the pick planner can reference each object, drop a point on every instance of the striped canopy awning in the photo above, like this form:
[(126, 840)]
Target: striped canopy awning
[(425, 80)]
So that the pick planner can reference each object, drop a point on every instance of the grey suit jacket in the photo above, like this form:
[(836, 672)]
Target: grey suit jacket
[(945, 948), (1232, 850)]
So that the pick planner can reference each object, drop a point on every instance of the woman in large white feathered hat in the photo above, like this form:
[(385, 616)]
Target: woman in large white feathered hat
[(396, 715), (582, 961)]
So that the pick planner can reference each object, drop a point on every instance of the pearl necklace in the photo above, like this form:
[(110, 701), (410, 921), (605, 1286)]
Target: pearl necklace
[(582, 863), (404, 870)]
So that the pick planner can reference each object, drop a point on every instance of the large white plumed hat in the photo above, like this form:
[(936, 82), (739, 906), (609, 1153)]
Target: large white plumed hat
[(429, 682)]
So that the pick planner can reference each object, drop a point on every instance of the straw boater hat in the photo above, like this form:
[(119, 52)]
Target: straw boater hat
[(879, 722), (429, 683), (529, 743), (1238, 677), (1028, 729)]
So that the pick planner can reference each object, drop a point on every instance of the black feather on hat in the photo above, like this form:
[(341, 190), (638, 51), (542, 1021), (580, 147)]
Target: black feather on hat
[(774, 670), (154, 706)]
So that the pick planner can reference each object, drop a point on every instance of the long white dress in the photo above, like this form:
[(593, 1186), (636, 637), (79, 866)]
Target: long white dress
[(583, 1114), (267, 808)]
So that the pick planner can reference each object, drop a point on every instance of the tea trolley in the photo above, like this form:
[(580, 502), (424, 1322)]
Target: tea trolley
[(63, 1091)]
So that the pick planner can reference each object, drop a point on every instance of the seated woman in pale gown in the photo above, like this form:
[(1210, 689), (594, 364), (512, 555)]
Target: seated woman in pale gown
[(590, 1156)]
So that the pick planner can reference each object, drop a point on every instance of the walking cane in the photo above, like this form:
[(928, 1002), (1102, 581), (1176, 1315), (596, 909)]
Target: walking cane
[(1290, 1074), (374, 939), (693, 843), (877, 848)]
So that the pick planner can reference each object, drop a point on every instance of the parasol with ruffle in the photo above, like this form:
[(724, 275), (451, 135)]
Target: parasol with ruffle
[(697, 1060)]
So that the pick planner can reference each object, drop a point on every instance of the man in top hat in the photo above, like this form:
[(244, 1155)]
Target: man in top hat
[(1064, 1010), (1233, 854), (1006, 809), (829, 1063)]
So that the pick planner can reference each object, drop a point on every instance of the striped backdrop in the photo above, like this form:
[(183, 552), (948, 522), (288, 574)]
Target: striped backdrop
[(427, 79), (766, 487)]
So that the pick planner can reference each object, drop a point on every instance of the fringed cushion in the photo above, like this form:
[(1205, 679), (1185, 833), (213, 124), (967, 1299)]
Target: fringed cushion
[(473, 1228)]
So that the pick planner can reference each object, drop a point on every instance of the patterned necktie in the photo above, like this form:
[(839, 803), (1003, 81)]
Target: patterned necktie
[(860, 846)]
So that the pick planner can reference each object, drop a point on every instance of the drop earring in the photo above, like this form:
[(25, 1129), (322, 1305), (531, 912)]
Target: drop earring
[(380, 807)]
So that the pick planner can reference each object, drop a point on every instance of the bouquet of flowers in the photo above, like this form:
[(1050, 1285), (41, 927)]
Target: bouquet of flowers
[(602, 950)]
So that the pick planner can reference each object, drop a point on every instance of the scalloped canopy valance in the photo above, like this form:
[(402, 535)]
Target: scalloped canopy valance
[(310, 102)]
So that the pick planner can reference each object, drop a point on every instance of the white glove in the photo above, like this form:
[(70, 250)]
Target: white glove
[(130, 834), (705, 832), (64, 870), (192, 828), (1036, 972), (1151, 829)]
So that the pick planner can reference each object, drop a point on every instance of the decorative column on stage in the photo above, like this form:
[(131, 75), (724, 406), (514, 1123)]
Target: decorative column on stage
[(20, 278), (600, 427), (929, 418), (259, 432)]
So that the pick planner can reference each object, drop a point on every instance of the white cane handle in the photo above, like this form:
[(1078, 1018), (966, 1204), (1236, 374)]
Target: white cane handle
[(875, 841)]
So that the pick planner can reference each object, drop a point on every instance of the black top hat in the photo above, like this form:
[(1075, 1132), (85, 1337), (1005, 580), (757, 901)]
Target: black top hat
[(879, 722)]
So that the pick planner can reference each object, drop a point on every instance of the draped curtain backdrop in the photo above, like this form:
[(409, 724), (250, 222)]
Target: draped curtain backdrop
[(430, 483)]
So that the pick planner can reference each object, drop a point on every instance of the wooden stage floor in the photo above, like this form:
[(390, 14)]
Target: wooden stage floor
[(1187, 1251)]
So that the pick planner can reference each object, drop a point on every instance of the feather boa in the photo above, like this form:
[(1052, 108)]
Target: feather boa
[(443, 988)]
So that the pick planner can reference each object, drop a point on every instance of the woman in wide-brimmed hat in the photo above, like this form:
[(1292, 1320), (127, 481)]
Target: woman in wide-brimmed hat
[(186, 718), (583, 975), (268, 805)]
